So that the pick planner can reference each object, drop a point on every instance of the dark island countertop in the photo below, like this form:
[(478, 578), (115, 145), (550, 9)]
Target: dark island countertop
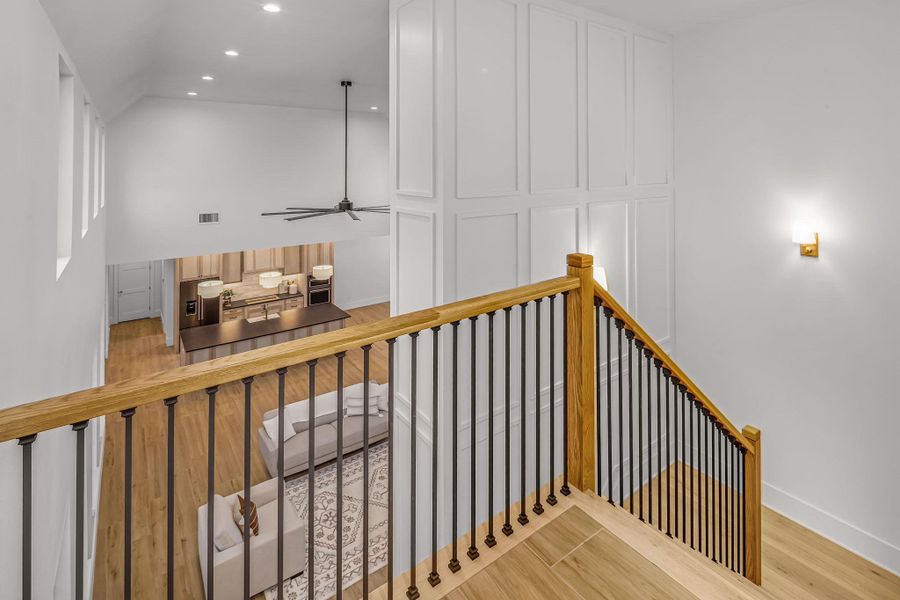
[(209, 336), (255, 301)]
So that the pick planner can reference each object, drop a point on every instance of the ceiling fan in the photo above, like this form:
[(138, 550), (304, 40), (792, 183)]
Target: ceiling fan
[(344, 206)]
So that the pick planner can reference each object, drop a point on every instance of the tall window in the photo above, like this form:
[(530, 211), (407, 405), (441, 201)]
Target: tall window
[(65, 179), (96, 185), (86, 155)]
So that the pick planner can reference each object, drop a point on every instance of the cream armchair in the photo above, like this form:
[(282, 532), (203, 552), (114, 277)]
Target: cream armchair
[(229, 563)]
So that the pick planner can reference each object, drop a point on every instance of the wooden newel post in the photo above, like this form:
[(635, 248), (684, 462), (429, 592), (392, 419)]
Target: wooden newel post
[(753, 506), (580, 346)]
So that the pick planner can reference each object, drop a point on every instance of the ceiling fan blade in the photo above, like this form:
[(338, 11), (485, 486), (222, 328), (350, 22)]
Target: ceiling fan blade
[(374, 209), (352, 215), (311, 215), (292, 212), (308, 208)]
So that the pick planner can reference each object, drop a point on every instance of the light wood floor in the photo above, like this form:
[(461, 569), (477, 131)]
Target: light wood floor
[(138, 348)]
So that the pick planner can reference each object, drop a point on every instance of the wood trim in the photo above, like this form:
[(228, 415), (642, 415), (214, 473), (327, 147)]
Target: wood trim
[(61, 411), (620, 313), (580, 346), (753, 506)]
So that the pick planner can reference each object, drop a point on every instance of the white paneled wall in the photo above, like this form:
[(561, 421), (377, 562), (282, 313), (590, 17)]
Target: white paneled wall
[(520, 132)]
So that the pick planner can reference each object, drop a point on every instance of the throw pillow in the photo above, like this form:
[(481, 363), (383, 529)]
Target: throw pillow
[(225, 533), (271, 427), (244, 510)]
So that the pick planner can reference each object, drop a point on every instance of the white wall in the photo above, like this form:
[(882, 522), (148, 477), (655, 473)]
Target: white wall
[(787, 116), (522, 131), (362, 272), (53, 329), (170, 160)]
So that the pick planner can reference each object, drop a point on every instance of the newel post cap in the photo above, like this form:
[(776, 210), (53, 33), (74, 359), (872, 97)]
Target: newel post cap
[(581, 261)]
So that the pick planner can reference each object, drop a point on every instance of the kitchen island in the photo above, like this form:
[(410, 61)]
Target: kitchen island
[(206, 342)]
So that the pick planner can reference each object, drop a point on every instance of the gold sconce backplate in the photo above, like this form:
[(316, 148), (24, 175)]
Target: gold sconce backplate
[(811, 250)]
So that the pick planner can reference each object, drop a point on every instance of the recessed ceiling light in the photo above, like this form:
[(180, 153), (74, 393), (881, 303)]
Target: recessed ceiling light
[(207, 78), (271, 7), (192, 93), (232, 53), (373, 108)]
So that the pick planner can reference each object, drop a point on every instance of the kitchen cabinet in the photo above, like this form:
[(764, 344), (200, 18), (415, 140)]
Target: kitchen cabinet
[(293, 303), (232, 267), (292, 260), (258, 310), (201, 267), (267, 259)]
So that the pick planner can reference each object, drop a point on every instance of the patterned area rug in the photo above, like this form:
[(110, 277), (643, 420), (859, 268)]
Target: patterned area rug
[(351, 529)]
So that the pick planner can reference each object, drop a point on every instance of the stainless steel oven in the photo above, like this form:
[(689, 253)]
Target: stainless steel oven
[(318, 291)]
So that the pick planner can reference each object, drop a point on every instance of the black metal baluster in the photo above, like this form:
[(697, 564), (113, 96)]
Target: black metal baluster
[(454, 565), (667, 374), (472, 552), (551, 497), (705, 483), (366, 496), (607, 314), (434, 578), (721, 496), (126, 593), (565, 344), (620, 324), (743, 480), (390, 528), (640, 444), (710, 540), (170, 497), (684, 501), (734, 504), (282, 372), (26, 443), (523, 413), (729, 448), (691, 450), (659, 449), (538, 507), (412, 592), (715, 482), (507, 436), (490, 541), (676, 467), (311, 480), (629, 335), (79, 428), (597, 362), (248, 394), (648, 354), (339, 483)]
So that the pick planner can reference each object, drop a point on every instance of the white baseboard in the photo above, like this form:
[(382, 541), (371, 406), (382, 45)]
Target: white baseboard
[(360, 302), (860, 542)]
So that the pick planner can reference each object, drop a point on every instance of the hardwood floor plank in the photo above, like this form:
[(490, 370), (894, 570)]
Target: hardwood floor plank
[(568, 531), (606, 567)]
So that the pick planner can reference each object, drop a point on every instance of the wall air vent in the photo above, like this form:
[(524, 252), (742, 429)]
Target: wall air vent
[(209, 218)]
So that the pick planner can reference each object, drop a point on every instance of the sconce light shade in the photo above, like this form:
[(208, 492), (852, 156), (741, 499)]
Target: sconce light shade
[(323, 272), (210, 289), (270, 279), (600, 276), (808, 238)]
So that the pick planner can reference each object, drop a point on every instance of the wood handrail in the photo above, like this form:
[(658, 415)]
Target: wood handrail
[(620, 313), (61, 411)]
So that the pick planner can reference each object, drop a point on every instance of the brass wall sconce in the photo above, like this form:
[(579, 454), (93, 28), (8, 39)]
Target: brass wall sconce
[(808, 239)]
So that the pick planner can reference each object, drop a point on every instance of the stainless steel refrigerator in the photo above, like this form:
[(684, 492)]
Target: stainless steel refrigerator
[(196, 311)]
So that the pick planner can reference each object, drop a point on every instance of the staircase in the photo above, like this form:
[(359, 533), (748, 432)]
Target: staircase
[(614, 450)]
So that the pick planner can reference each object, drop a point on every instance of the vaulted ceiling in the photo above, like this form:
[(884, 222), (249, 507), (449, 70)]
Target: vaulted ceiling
[(125, 49)]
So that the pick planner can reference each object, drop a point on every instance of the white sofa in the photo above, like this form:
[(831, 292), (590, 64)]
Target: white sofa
[(229, 563), (296, 419)]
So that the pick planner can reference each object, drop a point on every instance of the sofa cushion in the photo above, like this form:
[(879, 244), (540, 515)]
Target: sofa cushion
[(271, 427), (353, 430), (225, 532)]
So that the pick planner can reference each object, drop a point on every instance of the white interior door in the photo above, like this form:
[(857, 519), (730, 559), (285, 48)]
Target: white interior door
[(133, 293)]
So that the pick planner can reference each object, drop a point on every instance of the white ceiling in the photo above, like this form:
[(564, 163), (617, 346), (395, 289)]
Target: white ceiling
[(125, 49), (679, 16)]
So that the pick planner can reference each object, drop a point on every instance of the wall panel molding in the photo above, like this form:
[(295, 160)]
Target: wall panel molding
[(652, 67), (415, 249), (487, 252), (609, 240), (654, 266), (609, 123), (554, 233), (487, 107), (554, 135), (415, 99)]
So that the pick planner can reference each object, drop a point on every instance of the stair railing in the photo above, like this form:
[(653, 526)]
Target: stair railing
[(707, 491), (490, 324)]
